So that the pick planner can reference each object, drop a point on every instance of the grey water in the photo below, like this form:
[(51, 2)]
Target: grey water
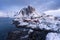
[(5, 27)]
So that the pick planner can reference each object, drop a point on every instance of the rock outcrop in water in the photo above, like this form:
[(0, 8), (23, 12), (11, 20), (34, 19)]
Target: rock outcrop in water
[(34, 26)]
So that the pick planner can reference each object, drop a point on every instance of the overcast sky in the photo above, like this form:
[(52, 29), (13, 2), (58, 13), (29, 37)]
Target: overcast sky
[(10, 6)]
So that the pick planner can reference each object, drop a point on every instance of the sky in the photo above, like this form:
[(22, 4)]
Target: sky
[(11, 7)]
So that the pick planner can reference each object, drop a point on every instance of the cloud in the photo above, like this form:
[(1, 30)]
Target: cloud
[(47, 4), (40, 5), (12, 10), (53, 12), (2, 14)]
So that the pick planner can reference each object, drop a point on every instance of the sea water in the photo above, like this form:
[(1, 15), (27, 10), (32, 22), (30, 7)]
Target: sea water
[(5, 27)]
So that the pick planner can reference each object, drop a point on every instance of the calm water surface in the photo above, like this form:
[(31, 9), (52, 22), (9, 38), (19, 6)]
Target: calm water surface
[(5, 27)]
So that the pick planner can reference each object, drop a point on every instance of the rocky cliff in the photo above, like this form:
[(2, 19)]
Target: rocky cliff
[(35, 26)]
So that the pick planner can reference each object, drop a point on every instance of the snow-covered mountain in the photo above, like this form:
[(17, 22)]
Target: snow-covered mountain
[(42, 19), (28, 17)]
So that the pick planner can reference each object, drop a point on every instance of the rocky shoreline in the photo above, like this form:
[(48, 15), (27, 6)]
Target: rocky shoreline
[(26, 34)]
